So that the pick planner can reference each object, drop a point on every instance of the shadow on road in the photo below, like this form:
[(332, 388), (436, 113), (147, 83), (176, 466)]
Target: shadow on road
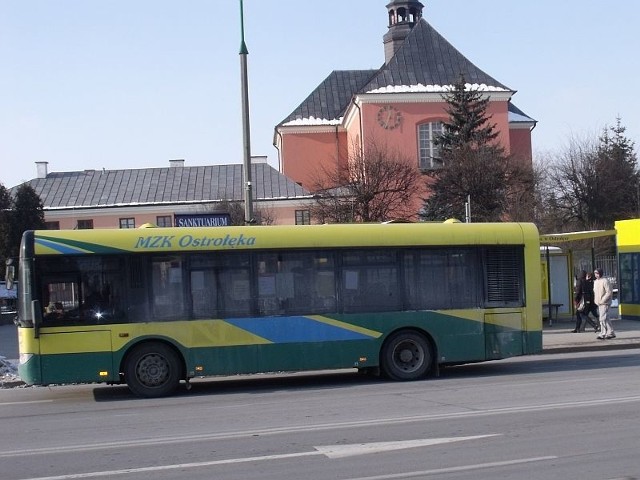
[(250, 384), (272, 383)]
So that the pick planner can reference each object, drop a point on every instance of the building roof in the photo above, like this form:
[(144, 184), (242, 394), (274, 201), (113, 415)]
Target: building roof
[(329, 101), (170, 185), (427, 58), (518, 116), (425, 62)]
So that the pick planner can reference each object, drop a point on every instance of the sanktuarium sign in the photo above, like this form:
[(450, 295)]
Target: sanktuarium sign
[(203, 220)]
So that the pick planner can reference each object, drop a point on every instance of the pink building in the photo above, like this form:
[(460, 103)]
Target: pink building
[(401, 103)]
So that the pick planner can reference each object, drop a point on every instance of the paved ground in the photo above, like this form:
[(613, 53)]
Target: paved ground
[(559, 338), (555, 339)]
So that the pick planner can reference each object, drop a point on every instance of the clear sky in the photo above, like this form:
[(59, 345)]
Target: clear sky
[(89, 84)]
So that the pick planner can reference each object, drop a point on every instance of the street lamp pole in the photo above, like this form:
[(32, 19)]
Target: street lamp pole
[(246, 133)]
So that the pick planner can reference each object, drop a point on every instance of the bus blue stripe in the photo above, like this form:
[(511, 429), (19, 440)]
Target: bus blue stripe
[(294, 329), (59, 247)]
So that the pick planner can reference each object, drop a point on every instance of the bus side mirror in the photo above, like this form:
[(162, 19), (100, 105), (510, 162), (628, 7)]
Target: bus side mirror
[(9, 274)]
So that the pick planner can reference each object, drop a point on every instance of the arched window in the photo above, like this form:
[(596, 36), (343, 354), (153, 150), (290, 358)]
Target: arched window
[(392, 17), (428, 150)]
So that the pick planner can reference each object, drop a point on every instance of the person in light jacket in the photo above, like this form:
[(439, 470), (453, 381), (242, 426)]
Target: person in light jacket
[(602, 296)]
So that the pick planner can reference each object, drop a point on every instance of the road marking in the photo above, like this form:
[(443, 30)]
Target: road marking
[(343, 451), (329, 451), (173, 440), (25, 403), (462, 468)]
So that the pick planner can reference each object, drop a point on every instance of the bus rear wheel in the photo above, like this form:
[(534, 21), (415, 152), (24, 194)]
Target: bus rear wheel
[(406, 355), (152, 370)]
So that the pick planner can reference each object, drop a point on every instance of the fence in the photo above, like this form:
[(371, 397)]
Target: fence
[(608, 263)]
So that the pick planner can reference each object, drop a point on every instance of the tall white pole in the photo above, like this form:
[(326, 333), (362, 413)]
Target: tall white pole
[(246, 131), (467, 210)]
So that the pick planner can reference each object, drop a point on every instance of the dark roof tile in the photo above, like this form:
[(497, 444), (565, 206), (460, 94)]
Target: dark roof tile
[(425, 57), (208, 183)]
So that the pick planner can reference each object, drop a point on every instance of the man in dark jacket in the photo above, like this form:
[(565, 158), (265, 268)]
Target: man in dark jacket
[(584, 294)]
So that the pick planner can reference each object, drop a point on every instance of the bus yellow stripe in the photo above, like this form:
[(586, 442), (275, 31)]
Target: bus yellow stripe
[(346, 326)]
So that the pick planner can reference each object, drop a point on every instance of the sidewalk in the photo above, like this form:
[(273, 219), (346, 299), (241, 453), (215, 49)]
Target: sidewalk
[(560, 339)]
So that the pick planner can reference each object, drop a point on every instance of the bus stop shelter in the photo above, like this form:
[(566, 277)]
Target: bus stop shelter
[(557, 289)]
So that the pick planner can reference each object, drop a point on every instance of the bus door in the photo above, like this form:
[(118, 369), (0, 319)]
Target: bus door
[(504, 334)]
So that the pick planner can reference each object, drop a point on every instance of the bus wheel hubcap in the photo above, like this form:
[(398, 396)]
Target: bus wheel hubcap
[(408, 356), (152, 370)]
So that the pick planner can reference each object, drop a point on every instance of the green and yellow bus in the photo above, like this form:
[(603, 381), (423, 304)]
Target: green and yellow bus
[(152, 307)]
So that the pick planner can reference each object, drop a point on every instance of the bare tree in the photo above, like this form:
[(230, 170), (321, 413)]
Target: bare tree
[(596, 182), (235, 209), (376, 184), (575, 184), (546, 208), (264, 215)]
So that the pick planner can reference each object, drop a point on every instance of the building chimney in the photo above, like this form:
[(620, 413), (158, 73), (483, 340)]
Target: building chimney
[(179, 162), (42, 169), (403, 16), (258, 159)]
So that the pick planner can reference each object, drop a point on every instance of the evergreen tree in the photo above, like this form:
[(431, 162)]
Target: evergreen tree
[(474, 166), (468, 123), (27, 214), (6, 205), (616, 168)]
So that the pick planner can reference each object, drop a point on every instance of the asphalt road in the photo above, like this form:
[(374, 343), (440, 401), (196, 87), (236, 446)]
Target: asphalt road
[(549, 417)]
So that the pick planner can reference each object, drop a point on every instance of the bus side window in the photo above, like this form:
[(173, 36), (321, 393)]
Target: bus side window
[(296, 283), (370, 281), (167, 288), (236, 292), (204, 294), (61, 300)]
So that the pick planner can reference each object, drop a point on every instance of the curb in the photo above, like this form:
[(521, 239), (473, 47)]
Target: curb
[(12, 384), (589, 348)]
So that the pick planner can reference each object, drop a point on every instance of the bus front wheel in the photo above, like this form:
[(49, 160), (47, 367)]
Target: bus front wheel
[(406, 355), (152, 370)]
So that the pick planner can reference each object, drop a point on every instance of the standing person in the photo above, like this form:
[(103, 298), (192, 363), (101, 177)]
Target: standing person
[(584, 293), (602, 296), (591, 307)]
